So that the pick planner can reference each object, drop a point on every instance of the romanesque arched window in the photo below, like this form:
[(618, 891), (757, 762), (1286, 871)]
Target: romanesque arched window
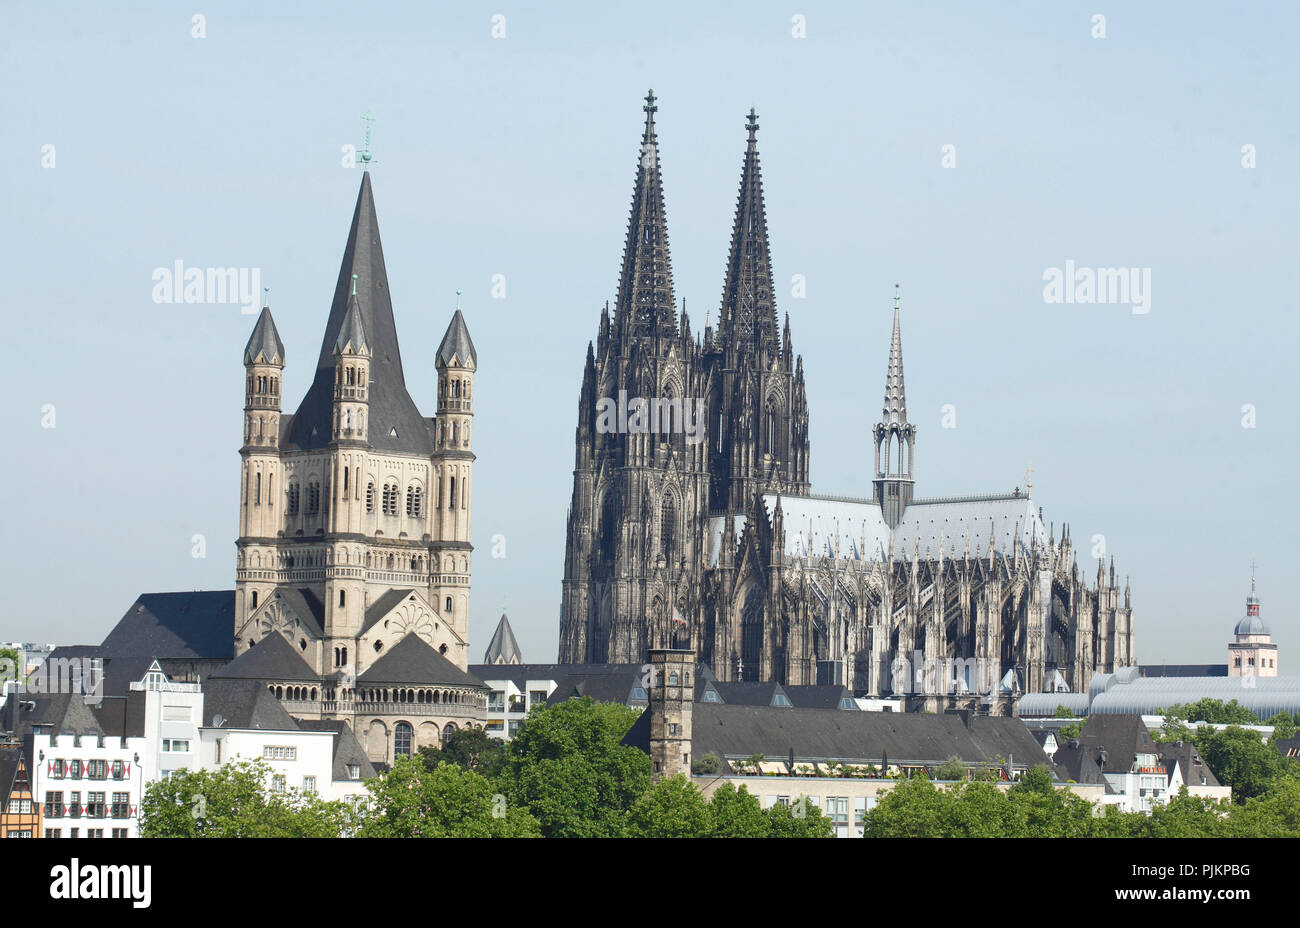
[(447, 731), (313, 498), (451, 504), (402, 739), (293, 499)]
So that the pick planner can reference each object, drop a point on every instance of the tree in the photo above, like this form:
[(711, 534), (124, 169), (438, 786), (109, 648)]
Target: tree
[(1284, 725), (412, 801), (737, 814), (951, 769), (671, 808), (799, 819), (1185, 816), (912, 809), (11, 665), (233, 802), (1214, 711), (567, 766), (469, 748), (1241, 759), (707, 764)]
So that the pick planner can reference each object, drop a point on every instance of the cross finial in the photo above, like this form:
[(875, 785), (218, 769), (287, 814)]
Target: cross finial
[(1029, 481), (366, 157), (752, 123), (354, 284), (897, 296), (1252, 575), (650, 109), (266, 300), (458, 301)]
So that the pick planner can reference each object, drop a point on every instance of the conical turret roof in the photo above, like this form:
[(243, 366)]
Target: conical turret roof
[(264, 344)]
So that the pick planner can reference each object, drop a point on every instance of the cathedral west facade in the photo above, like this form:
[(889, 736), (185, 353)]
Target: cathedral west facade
[(353, 557), (711, 539)]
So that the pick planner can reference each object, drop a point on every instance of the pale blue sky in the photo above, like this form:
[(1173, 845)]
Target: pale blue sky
[(516, 156)]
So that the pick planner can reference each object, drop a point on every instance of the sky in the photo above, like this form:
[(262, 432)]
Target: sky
[(505, 140)]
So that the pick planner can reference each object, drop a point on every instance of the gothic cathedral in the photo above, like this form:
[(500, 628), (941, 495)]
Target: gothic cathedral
[(711, 539)]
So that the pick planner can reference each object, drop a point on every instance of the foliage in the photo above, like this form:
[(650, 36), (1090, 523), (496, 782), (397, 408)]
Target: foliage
[(951, 769), (233, 802), (707, 764), (470, 748), (1069, 732), (1214, 711), (449, 801), (1241, 759), (1063, 713), (567, 766), (737, 814), (799, 819)]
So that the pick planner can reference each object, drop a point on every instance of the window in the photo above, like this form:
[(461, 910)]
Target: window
[(537, 697), (52, 833), (452, 502), (497, 701), (74, 808), (672, 728), (74, 770), (278, 783), (293, 499), (354, 771), (20, 807), (413, 501), (60, 769), (175, 746), (780, 699), (18, 833), (96, 807), (313, 498), (279, 752), (97, 769), (73, 833), (309, 784), (343, 600), (54, 805), (514, 727), (710, 696), (837, 809), (121, 805), (402, 740), (370, 497), (119, 833)]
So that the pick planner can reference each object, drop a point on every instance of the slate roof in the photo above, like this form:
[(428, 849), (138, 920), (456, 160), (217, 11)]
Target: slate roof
[(819, 526), (382, 606), (58, 713), (244, 704), (750, 693), (1073, 761), (347, 750), (412, 660), (122, 716), (307, 605), (620, 686), (853, 737), (457, 345), (272, 658), (198, 624), (264, 344), (1123, 736), (818, 697), (1183, 754), (9, 763), (503, 648), (352, 333), (520, 674), (394, 423)]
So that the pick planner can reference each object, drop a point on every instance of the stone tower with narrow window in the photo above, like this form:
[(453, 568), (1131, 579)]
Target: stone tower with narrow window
[(355, 510), (672, 695)]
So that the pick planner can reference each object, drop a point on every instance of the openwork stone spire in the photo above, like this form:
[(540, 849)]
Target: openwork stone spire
[(645, 290), (895, 411), (748, 318)]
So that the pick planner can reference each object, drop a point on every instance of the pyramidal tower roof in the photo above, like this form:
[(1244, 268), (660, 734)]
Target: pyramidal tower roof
[(352, 334), (457, 347), (394, 422), (895, 412), (645, 288), (503, 649), (748, 314), (264, 344)]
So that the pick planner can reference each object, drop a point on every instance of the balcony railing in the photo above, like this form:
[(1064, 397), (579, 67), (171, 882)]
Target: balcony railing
[(449, 709)]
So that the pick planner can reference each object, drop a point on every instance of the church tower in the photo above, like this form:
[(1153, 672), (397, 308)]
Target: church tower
[(758, 410), (895, 436), (456, 363), (1252, 652), (258, 516)]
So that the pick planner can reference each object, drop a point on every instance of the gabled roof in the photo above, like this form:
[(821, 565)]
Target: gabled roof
[(384, 605), (1183, 754), (347, 750), (306, 605), (243, 704), (413, 660), (816, 735), (503, 649), (457, 347), (830, 696), (10, 760), (751, 693), (1123, 736), (272, 658), (622, 687), (1073, 761), (58, 713), (198, 624), (264, 345), (394, 424)]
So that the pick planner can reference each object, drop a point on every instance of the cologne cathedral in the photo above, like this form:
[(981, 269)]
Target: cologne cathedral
[(710, 538)]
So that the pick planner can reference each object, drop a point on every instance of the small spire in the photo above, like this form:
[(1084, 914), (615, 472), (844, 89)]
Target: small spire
[(650, 109), (354, 284), (751, 125), (457, 301), (266, 299), (1029, 482), (897, 296)]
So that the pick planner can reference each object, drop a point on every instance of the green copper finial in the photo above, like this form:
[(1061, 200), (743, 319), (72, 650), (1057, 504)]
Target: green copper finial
[(266, 300), (897, 297), (354, 284), (457, 301), (366, 157)]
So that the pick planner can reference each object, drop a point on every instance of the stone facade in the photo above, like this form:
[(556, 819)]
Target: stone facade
[(711, 539)]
